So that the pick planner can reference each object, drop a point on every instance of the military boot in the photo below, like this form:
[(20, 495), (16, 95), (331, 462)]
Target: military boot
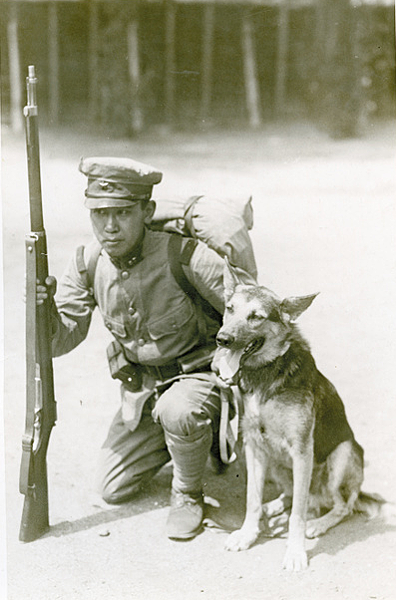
[(189, 455)]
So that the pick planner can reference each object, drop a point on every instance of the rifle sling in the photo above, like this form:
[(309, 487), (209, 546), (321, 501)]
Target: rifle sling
[(31, 361)]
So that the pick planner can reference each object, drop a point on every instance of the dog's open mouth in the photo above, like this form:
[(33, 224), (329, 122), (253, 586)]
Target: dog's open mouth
[(231, 360), (252, 347)]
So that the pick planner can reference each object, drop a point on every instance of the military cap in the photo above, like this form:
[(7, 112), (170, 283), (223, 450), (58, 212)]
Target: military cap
[(117, 182)]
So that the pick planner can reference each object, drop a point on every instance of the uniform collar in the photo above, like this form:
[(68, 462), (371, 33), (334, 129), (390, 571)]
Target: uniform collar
[(131, 259)]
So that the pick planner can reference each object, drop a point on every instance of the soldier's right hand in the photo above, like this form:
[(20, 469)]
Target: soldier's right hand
[(46, 291)]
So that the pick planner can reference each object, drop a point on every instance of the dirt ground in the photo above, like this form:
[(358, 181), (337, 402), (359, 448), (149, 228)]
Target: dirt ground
[(325, 215)]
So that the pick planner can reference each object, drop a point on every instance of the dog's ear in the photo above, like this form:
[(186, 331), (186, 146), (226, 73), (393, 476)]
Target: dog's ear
[(294, 306), (234, 276), (230, 279)]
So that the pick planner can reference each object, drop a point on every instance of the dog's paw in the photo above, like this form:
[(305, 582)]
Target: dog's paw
[(315, 528), (240, 540), (295, 560), (278, 526), (277, 507)]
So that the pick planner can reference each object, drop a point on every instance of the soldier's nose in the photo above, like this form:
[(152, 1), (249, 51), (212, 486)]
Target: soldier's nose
[(224, 339), (111, 223)]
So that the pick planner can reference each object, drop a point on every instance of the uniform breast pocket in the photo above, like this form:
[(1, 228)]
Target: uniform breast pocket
[(117, 328), (171, 324)]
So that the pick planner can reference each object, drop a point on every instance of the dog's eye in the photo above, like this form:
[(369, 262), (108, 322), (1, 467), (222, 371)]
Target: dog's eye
[(256, 317), (230, 308)]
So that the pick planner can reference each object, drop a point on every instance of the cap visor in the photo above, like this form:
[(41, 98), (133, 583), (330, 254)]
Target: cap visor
[(92, 203)]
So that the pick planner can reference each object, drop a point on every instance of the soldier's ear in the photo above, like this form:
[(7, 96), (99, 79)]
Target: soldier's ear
[(149, 210), (291, 308)]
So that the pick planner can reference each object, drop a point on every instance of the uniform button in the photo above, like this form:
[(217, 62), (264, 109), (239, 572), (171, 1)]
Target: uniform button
[(141, 342), (125, 274)]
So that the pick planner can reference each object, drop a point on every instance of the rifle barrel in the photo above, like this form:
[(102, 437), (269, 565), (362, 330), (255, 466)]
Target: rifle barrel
[(33, 152)]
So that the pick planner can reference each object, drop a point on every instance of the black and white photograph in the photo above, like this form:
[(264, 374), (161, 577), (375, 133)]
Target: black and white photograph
[(198, 321)]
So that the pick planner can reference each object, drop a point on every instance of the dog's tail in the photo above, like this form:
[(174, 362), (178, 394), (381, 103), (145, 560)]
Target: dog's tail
[(374, 505)]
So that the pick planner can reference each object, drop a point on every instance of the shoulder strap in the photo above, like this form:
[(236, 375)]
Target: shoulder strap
[(87, 272), (179, 256)]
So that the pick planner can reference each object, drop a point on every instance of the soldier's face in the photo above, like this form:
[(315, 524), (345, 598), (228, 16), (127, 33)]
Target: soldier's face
[(119, 230)]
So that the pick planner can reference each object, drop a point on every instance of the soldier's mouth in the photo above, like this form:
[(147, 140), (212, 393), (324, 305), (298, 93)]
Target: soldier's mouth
[(112, 242)]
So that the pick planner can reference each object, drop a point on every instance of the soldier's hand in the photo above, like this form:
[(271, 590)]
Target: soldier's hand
[(46, 291)]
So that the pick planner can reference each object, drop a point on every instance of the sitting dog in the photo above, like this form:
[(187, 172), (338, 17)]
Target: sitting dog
[(294, 420)]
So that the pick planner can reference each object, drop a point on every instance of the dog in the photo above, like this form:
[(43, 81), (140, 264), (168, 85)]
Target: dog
[(294, 424)]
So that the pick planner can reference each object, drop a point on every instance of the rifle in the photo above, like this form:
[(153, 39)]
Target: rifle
[(40, 401)]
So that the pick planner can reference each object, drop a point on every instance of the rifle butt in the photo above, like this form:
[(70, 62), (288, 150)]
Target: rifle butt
[(34, 522)]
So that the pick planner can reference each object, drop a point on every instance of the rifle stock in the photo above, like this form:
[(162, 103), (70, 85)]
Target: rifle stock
[(40, 400)]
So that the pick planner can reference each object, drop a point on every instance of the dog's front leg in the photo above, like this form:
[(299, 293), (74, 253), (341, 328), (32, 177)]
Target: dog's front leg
[(296, 556), (256, 465)]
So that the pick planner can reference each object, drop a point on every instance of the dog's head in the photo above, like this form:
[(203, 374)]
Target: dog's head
[(257, 325)]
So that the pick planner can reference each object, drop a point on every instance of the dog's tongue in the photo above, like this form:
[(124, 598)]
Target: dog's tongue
[(229, 363)]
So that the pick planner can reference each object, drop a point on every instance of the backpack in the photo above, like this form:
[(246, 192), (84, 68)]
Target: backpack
[(223, 224)]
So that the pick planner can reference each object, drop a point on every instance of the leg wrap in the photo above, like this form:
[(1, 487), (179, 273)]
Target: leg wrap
[(189, 455)]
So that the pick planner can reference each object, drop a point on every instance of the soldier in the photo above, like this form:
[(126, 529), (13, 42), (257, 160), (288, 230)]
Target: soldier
[(168, 409)]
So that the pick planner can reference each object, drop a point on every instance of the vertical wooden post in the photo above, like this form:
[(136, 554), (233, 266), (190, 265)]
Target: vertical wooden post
[(340, 99), (170, 61), (250, 72), (134, 71), (15, 70), (93, 61), (281, 60), (207, 57), (53, 61)]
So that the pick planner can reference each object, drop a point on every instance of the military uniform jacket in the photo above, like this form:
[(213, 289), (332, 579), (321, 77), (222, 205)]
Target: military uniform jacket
[(141, 303)]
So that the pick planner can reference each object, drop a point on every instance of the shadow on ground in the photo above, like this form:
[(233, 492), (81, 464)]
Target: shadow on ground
[(224, 511)]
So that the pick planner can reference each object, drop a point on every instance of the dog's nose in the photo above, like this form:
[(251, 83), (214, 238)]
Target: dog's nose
[(224, 340)]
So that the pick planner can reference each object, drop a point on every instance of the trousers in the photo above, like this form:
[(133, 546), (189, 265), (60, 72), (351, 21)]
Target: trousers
[(179, 425)]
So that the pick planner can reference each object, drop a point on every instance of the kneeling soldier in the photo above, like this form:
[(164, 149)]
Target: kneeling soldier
[(170, 403)]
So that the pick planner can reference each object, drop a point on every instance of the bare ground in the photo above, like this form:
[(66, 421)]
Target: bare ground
[(325, 215)]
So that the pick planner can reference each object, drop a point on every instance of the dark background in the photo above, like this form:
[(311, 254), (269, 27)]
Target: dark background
[(339, 60)]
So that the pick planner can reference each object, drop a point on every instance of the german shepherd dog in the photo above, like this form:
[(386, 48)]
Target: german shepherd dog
[(294, 420)]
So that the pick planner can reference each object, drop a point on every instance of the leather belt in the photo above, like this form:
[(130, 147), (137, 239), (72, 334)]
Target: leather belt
[(164, 372), (170, 370)]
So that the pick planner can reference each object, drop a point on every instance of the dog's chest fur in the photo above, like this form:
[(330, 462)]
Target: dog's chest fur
[(288, 401), (278, 411), (276, 425)]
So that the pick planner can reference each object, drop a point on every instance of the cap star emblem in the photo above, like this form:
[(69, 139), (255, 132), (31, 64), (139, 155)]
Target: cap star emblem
[(106, 185)]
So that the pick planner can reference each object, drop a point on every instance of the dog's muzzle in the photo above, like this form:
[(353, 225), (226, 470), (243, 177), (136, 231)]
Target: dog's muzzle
[(224, 340)]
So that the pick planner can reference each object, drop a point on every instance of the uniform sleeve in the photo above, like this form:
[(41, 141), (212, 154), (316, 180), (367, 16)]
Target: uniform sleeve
[(74, 304), (205, 273)]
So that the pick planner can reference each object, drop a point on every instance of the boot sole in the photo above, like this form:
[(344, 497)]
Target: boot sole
[(186, 536)]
